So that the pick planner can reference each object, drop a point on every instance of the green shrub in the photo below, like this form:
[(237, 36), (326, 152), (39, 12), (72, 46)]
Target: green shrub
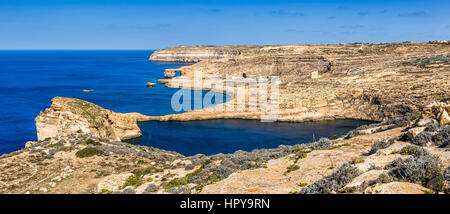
[(303, 184), (88, 152), (292, 167), (194, 173), (334, 137), (146, 171), (133, 181), (348, 189), (105, 191), (339, 146), (205, 163), (300, 156), (409, 150), (92, 142), (175, 183)]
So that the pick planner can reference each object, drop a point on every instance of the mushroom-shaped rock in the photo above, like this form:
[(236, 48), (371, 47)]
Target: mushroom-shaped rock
[(150, 84)]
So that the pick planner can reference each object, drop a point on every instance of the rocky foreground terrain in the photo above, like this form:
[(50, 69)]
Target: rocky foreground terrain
[(402, 86)]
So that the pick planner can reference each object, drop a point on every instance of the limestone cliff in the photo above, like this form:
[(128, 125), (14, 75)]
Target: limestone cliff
[(189, 54), (69, 115)]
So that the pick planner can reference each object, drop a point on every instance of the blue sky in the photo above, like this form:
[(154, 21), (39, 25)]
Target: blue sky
[(138, 24)]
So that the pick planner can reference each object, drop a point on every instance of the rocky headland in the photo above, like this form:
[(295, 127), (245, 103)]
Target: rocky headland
[(402, 86)]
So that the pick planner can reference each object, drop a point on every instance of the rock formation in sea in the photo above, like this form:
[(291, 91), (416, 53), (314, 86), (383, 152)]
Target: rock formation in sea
[(69, 115)]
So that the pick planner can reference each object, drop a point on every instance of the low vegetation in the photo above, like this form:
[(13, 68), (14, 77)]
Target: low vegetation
[(292, 168), (332, 183), (175, 183), (380, 145), (88, 152), (133, 181), (421, 169)]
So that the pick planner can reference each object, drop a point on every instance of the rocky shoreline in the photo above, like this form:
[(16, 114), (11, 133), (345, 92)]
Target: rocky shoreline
[(403, 85)]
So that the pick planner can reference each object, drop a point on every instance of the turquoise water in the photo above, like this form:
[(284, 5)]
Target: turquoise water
[(30, 79)]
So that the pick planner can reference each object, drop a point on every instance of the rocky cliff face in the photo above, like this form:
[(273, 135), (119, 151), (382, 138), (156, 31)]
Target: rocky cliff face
[(189, 54), (69, 115)]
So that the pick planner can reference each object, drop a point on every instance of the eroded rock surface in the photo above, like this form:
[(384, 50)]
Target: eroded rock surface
[(69, 115), (191, 54)]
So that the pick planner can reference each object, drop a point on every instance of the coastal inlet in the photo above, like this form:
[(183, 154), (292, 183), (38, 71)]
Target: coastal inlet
[(229, 135)]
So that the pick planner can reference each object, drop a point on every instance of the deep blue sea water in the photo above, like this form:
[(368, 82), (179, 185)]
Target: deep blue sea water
[(30, 79)]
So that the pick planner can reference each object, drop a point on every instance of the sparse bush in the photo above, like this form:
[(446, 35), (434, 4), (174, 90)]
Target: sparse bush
[(423, 62), (348, 190), (404, 137), (300, 156), (302, 184), (445, 144), (409, 150), (447, 174), (92, 142), (432, 127), (133, 181), (339, 146), (334, 137), (441, 137), (150, 188), (422, 138), (420, 152), (344, 175), (384, 178), (148, 170), (324, 143), (175, 183), (292, 167), (105, 191), (351, 134), (88, 152), (425, 170), (393, 164), (380, 145)]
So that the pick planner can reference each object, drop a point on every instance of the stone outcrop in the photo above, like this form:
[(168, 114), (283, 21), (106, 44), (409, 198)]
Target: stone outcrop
[(69, 115), (398, 188), (438, 111), (113, 182)]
